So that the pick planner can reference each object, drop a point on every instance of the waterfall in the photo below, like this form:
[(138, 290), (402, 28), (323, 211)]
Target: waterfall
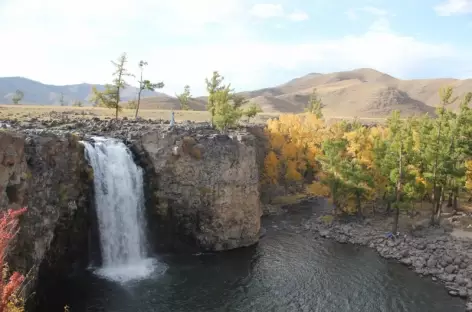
[(119, 203)]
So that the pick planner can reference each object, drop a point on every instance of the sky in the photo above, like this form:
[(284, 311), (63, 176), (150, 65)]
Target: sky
[(252, 43)]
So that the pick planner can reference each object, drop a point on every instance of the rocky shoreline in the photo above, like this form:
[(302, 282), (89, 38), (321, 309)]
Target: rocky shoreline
[(431, 252)]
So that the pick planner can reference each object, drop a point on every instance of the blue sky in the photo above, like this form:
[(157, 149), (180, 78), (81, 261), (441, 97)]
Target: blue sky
[(252, 43)]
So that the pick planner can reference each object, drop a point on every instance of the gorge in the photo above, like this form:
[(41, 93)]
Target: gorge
[(199, 193)]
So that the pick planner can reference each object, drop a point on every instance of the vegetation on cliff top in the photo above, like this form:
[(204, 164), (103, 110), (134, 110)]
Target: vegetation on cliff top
[(224, 105), (397, 164)]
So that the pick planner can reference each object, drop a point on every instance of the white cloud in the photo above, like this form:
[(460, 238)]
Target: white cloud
[(267, 10), (381, 17), (453, 7), (76, 46), (380, 24), (374, 11), (249, 64), (351, 14), (298, 16)]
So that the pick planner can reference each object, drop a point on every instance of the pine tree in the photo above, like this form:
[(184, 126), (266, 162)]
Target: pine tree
[(119, 82), (184, 98), (61, 100), (333, 163), (224, 113), (251, 111), (145, 85), (439, 153), (315, 105), (17, 97), (213, 86), (110, 97)]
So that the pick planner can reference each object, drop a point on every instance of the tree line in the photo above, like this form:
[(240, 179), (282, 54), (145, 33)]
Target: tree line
[(225, 106), (398, 164)]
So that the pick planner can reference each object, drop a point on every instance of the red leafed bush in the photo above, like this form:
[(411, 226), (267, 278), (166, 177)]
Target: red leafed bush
[(8, 286)]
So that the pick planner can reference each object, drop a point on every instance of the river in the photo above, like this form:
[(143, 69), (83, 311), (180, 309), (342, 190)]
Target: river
[(289, 270)]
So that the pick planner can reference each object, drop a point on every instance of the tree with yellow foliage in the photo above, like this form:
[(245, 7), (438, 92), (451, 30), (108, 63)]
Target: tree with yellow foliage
[(295, 141), (400, 163)]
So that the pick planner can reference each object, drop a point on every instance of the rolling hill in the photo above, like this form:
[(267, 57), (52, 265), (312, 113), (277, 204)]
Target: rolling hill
[(42, 94), (361, 92)]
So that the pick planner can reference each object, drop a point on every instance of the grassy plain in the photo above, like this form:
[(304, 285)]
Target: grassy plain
[(48, 111), (21, 112)]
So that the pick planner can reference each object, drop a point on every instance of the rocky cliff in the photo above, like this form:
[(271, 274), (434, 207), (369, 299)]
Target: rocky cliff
[(202, 191), (205, 186), (48, 175)]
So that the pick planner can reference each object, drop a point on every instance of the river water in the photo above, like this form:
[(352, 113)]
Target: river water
[(289, 270)]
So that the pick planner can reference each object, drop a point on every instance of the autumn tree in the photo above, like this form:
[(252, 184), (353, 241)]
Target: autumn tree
[(398, 164), (359, 172), (296, 140), (145, 85), (17, 97), (184, 98)]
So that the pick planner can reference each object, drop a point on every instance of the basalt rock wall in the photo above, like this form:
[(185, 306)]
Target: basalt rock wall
[(202, 192), (202, 186), (48, 175)]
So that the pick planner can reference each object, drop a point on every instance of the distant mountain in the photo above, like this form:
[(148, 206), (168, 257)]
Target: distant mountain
[(38, 93), (362, 92)]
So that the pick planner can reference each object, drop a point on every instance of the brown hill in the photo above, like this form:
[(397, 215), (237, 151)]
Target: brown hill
[(361, 92), (164, 101)]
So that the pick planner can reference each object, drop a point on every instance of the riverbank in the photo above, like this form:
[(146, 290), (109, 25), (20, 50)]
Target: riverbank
[(430, 252)]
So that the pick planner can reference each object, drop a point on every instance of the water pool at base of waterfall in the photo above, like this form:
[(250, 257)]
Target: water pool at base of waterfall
[(137, 270), (285, 272), (288, 270)]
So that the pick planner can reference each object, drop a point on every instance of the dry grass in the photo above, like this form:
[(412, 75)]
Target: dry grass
[(21, 112), (288, 200)]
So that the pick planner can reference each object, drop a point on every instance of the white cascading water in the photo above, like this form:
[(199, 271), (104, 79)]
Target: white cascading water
[(119, 202)]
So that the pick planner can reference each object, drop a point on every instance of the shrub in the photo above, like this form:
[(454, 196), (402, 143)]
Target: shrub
[(10, 284)]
